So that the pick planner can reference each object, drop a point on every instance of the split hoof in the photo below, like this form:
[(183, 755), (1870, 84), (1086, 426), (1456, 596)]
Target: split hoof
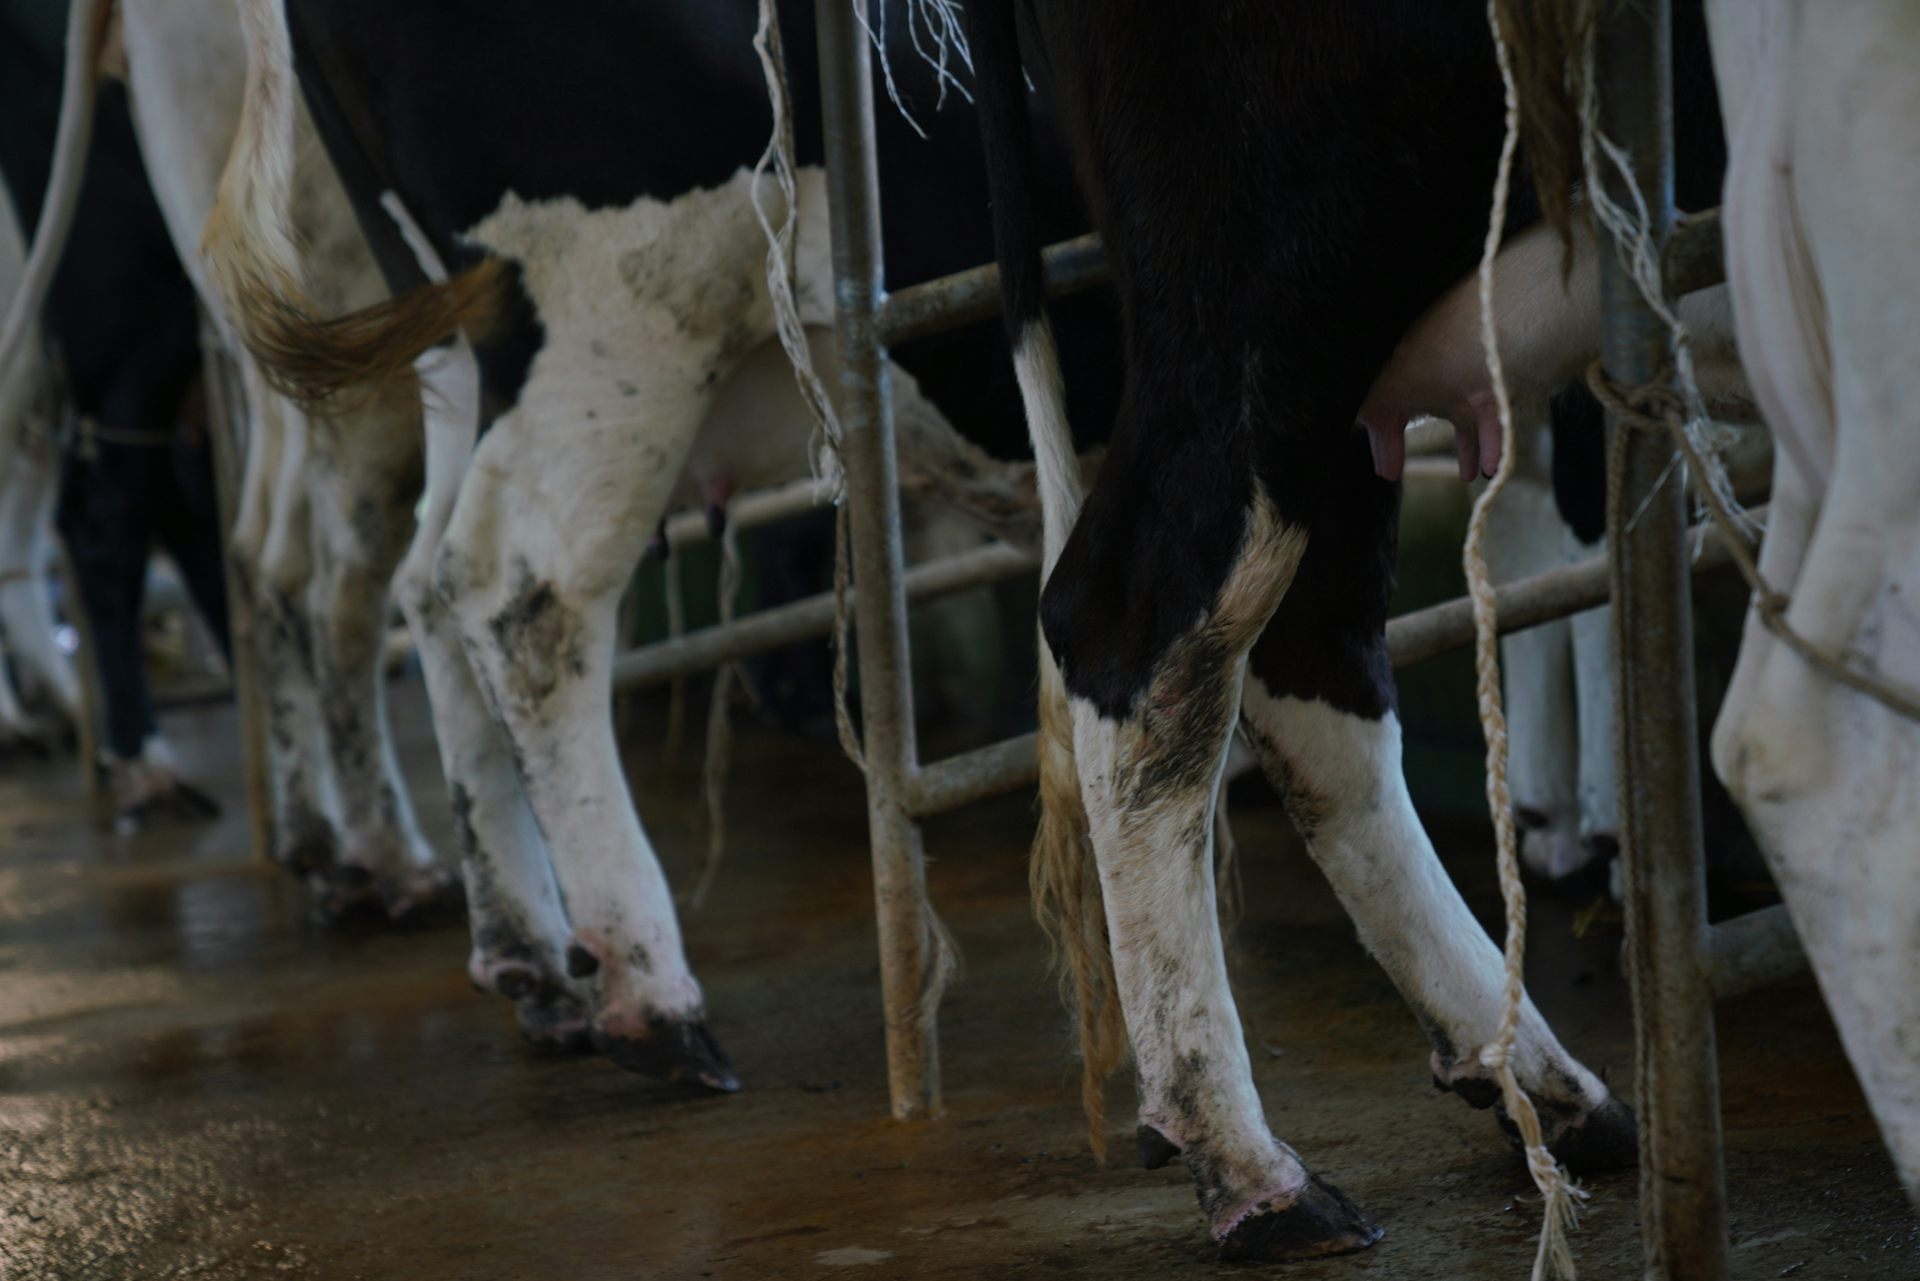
[(674, 1051), (554, 1022), (306, 845), (426, 896), (1319, 1223), (1607, 1138)]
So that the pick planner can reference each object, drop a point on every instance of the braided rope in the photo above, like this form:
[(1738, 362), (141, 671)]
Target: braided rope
[(1558, 1191), (778, 160), (713, 782)]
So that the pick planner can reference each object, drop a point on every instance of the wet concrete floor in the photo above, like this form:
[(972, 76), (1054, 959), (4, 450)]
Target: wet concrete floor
[(195, 1082)]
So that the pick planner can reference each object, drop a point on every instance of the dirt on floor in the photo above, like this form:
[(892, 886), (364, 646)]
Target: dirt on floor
[(197, 1082)]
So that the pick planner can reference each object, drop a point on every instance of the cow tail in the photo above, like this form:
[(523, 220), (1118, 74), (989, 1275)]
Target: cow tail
[(87, 24), (252, 252), (1064, 880)]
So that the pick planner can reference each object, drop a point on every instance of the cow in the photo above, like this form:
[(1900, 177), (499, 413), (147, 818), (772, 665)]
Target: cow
[(1823, 265), (320, 526), (29, 418), (1280, 203), (606, 289)]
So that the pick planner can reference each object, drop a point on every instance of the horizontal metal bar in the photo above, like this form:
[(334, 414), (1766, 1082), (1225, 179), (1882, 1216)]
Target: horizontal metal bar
[(1751, 952), (750, 510), (968, 296), (1411, 638), (1695, 255), (769, 629)]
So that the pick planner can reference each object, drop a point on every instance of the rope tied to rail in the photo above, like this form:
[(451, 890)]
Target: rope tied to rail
[(778, 160), (1559, 1193), (1657, 407), (943, 962)]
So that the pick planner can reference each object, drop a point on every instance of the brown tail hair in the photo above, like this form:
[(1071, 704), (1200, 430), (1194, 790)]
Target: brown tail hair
[(250, 248), (1547, 41), (1064, 879), (1064, 883)]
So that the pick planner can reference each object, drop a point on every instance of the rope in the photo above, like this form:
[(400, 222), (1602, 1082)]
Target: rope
[(1558, 1191), (944, 964), (1638, 252), (1656, 407), (778, 159), (676, 628), (713, 784)]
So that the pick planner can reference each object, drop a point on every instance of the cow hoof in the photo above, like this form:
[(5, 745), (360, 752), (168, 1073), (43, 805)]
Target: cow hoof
[(1320, 1222), (554, 1022), (675, 1051), (306, 845), (423, 897), (1156, 1149), (1607, 1138)]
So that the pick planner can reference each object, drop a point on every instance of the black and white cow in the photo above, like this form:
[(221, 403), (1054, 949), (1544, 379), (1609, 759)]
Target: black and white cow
[(1280, 200), (536, 188), (320, 525)]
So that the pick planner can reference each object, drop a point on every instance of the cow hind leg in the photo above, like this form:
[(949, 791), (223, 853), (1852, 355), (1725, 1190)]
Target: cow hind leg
[(519, 927), (365, 484), (554, 513), (1151, 740), (273, 560), (1523, 538), (26, 607), (1318, 708)]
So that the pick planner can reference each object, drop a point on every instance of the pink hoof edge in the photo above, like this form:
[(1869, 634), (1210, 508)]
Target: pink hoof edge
[(1317, 1222)]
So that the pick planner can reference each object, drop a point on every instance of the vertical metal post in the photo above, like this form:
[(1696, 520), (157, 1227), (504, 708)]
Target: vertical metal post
[(1682, 1193), (886, 695)]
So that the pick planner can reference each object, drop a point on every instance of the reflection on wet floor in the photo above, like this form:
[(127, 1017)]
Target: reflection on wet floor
[(197, 1082)]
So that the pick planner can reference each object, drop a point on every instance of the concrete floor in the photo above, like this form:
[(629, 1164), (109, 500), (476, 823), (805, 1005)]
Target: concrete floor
[(194, 1082)]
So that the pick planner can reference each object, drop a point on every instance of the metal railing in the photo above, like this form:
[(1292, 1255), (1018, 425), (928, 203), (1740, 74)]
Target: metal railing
[(1679, 964)]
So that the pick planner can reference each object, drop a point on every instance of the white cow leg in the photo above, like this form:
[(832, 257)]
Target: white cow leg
[(364, 484), (1149, 778), (1826, 775), (26, 606), (1524, 538), (519, 927), (554, 512), (272, 552), (1593, 690), (1318, 709)]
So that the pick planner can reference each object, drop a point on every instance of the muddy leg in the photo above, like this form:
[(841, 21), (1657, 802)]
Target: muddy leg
[(1318, 708), (532, 567), (519, 927)]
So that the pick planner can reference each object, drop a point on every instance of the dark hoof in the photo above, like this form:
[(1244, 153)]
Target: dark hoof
[(1156, 1149), (434, 897), (306, 845), (1608, 1138), (673, 1051), (346, 903), (1321, 1222), (553, 1022)]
